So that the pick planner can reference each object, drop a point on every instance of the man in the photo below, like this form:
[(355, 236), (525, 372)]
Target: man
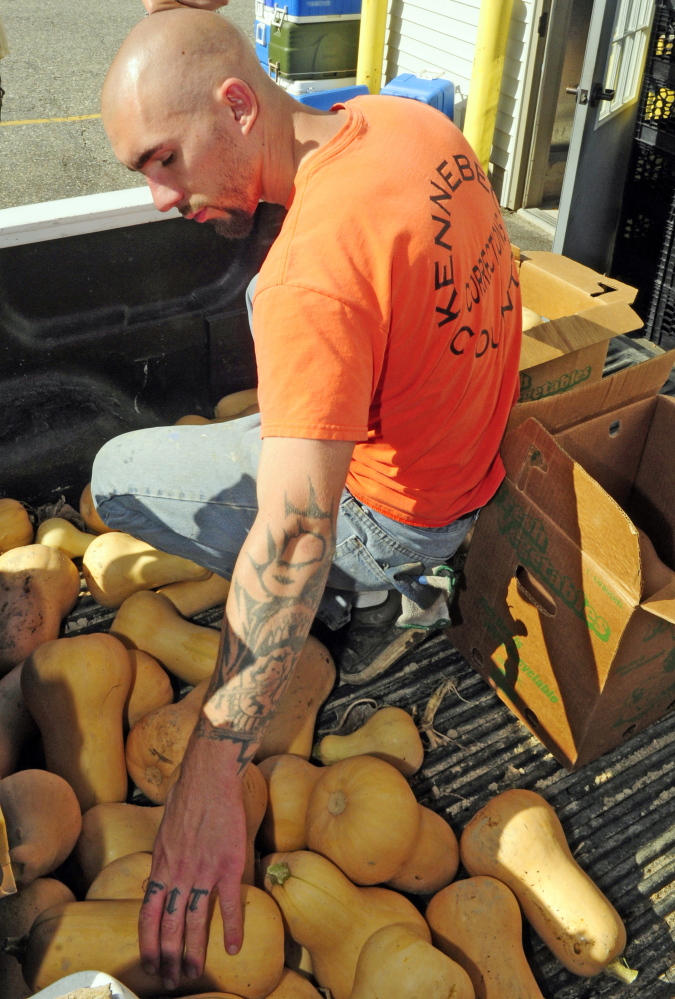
[(387, 332)]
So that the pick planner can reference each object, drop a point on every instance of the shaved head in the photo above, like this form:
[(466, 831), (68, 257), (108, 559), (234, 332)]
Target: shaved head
[(182, 54), (180, 103), (187, 103)]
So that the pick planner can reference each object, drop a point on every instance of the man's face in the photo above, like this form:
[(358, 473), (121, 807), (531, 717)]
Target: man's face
[(193, 163)]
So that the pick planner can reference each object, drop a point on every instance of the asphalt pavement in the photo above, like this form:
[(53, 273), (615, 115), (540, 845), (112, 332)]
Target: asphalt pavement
[(60, 51)]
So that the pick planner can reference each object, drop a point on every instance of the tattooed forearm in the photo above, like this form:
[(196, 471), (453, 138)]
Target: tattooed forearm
[(195, 896), (276, 593)]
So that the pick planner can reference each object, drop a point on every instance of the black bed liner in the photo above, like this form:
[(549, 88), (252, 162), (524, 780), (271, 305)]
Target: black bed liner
[(618, 813)]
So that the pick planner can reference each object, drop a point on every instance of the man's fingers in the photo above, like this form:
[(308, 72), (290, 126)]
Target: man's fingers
[(197, 920), (172, 933), (149, 921), (229, 893)]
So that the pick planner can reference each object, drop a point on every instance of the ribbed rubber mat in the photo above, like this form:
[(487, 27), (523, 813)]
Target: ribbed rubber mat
[(618, 813)]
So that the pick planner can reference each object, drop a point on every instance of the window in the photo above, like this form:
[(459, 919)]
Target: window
[(627, 55)]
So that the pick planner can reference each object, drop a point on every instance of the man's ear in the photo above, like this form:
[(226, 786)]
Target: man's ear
[(242, 102)]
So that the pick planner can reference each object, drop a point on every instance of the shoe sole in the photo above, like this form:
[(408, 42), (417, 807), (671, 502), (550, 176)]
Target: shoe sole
[(387, 658)]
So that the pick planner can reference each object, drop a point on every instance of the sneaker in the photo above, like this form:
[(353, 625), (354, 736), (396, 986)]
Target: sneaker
[(370, 643)]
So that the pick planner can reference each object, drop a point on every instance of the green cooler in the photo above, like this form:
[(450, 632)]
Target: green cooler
[(315, 51)]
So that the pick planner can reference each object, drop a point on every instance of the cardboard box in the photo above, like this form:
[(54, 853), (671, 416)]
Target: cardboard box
[(566, 611), (586, 309)]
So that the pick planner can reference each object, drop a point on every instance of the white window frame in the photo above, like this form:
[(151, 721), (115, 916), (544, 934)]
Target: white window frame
[(627, 54)]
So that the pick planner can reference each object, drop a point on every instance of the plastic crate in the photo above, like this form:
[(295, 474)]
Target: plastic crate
[(662, 326), (436, 93)]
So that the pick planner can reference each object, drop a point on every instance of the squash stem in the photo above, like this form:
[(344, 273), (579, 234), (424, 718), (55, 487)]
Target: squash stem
[(16, 946), (278, 873), (619, 969)]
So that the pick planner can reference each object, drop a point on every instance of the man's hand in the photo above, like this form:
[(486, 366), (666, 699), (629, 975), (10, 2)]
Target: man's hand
[(201, 846), (276, 587), (152, 6)]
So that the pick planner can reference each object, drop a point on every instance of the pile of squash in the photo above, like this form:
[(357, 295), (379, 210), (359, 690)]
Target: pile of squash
[(340, 856)]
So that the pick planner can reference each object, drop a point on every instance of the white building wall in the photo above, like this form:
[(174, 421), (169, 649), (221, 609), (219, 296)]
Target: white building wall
[(438, 37)]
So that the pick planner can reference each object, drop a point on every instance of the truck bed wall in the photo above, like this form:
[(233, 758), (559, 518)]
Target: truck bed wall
[(113, 331)]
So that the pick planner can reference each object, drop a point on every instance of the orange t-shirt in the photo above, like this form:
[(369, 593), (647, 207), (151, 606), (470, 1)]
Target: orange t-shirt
[(388, 313)]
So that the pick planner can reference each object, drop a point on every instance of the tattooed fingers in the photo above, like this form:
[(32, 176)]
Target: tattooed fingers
[(196, 931)]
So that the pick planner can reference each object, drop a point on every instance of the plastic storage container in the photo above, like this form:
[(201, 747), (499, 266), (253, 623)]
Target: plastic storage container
[(302, 10), (301, 89), (325, 99), (313, 51), (437, 93), (262, 43)]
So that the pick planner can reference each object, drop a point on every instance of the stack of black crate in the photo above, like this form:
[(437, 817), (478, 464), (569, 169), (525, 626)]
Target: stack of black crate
[(644, 254)]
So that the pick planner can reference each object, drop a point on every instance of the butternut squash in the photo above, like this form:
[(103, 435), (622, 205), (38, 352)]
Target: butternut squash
[(294, 986), (291, 986), (150, 687), (477, 923), (115, 565), (255, 802), (193, 597), (103, 934), (16, 529), (38, 587), (76, 689), (290, 782), (530, 319), (434, 859), (17, 914), (298, 958), (16, 723), (89, 513), (192, 420), (363, 816), (156, 744), (517, 838), (291, 730), (7, 879), (115, 830), (397, 961), (43, 822), (237, 404), (64, 537), (150, 622), (324, 912), (390, 734), (122, 878)]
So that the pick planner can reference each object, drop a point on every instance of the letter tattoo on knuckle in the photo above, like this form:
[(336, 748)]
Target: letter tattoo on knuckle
[(154, 888), (195, 895), (172, 900)]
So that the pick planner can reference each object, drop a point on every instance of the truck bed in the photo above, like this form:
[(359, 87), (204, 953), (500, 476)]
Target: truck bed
[(94, 342)]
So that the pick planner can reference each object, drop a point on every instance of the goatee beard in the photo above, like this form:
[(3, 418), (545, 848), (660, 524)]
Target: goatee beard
[(237, 225)]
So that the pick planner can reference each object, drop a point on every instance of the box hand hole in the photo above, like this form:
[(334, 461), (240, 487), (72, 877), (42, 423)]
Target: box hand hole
[(531, 718), (534, 592), (629, 731), (537, 460), (614, 428)]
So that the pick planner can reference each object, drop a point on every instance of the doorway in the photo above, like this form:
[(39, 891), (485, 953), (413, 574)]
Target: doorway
[(567, 28)]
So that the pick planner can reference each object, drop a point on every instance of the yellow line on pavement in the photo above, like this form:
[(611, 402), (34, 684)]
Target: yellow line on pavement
[(45, 121)]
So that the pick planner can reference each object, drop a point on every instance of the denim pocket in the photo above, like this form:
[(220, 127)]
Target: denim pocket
[(354, 568)]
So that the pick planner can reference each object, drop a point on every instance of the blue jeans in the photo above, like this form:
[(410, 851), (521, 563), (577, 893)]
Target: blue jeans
[(191, 491)]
